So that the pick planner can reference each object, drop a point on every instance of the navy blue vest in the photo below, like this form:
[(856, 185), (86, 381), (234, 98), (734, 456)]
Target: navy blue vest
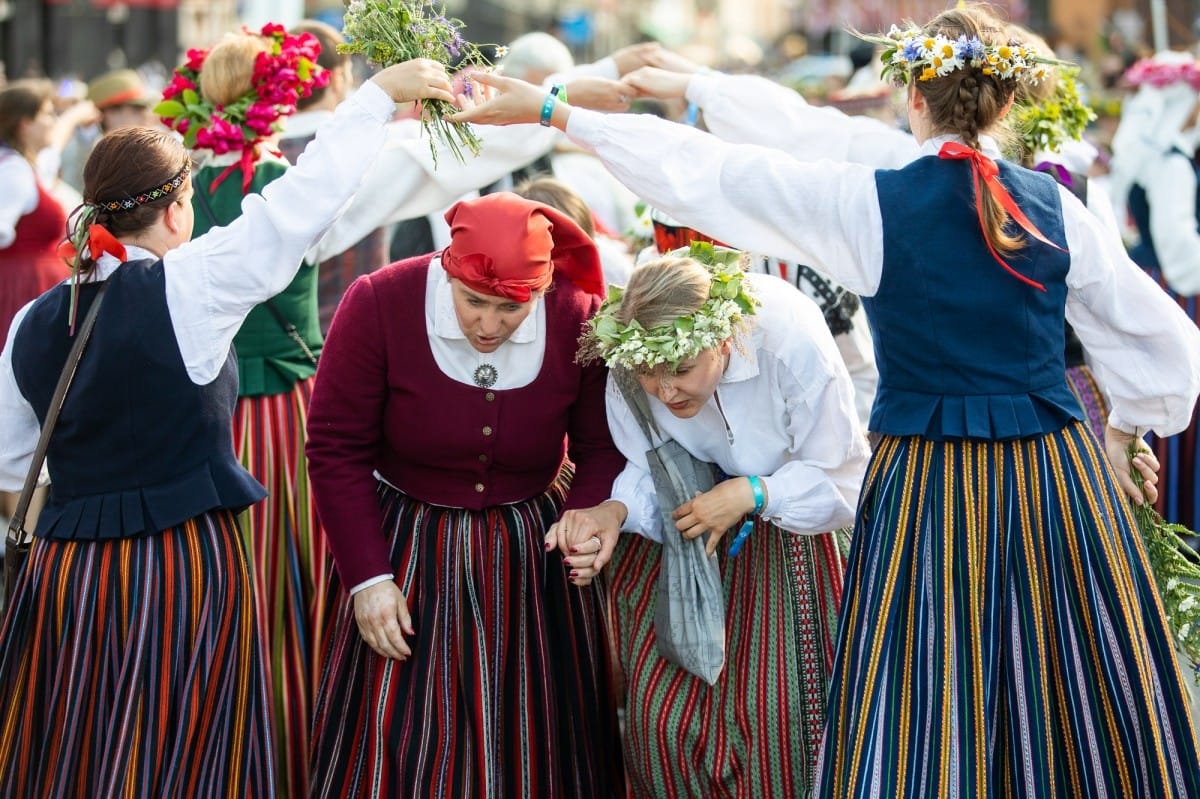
[(965, 349), (138, 448), (1143, 253)]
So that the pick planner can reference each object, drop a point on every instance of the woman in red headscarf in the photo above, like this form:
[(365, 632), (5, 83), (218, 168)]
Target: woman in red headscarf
[(461, 660)]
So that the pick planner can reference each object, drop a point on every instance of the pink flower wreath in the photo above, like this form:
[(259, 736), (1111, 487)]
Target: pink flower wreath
[(282, 75)]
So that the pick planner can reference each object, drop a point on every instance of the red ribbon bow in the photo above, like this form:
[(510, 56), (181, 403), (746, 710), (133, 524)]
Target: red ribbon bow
[(99, 241), (983, 166)]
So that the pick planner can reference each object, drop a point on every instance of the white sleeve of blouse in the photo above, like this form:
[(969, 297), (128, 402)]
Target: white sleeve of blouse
[(1144, 349), (20, 195), (754, 110), (214, 280), (1170, 185), (19, 427), (824, 214)]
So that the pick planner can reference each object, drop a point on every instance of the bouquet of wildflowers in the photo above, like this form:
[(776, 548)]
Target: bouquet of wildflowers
[(387, 32), (1175, 568)]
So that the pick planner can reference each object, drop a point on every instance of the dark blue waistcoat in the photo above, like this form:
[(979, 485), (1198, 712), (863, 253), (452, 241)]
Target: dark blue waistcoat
[(1143, 253), (138, 448), (965, 349)]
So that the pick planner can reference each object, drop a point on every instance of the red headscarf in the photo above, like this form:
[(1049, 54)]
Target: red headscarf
[(506, 246)]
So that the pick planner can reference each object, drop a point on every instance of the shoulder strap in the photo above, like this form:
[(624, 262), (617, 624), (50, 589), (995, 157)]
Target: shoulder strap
[(635, 398), (16, 527)]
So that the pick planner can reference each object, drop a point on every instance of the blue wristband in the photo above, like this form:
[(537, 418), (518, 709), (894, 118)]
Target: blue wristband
[(548, 106), (760, 499)]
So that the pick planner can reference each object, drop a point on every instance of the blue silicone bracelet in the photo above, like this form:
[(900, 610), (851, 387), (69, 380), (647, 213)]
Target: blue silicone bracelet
[(759, 499), (548, 106)]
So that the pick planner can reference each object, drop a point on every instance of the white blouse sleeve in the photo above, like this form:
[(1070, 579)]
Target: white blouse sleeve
[(213, 281), (1170, 184), (19, 427), (634, 487), (753, 198), (18, 197), (405, 182), (751, 109), (1143, 347)]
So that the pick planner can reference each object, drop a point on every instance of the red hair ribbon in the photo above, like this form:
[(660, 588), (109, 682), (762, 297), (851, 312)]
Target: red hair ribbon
[(99, 241), (245, 163), (983, 166)]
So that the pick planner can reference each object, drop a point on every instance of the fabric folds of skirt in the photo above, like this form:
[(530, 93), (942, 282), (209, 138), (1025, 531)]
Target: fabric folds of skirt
[(133, 668), (290, 566), (1001, 636), (508, 691), (756, 732)]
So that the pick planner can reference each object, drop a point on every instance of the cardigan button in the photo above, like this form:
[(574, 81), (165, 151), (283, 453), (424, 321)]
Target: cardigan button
[(483, 458), (487, 431), (490, 396), (479, 488)]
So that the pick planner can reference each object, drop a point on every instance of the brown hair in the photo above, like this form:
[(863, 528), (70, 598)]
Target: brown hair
[(228, 71), (967, 102), (550, 191), (20, 101), (329, 38), (123, 164)]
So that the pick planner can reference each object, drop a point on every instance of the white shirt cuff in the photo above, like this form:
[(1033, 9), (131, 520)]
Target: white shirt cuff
[(383, 578)]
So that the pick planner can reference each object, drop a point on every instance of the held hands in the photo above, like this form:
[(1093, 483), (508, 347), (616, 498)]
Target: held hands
[(653, 82), (418, 79), (586, 538), (383, 620), (1116, 445), (715, 511)]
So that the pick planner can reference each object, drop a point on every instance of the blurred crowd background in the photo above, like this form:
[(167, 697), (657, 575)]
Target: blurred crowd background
[(805, 44)]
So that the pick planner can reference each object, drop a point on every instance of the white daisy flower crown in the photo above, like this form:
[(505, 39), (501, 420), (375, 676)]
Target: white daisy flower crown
[(912, 53)]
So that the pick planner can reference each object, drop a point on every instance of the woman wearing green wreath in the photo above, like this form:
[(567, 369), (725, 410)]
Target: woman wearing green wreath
[(742, 372)]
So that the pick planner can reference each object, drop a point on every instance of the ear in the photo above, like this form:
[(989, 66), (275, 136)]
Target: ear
[(1012, 98), (916, 100), (173, 217)]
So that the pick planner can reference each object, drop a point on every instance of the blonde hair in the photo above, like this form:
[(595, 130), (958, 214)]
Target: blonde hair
[(661, 291), (228, 71), (967, 102)]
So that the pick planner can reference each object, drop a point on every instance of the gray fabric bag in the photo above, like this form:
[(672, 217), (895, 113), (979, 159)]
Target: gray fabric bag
[(689, 615)]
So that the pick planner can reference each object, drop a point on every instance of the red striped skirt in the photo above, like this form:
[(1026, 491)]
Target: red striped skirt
[(133, 668), (289, 564), (508, 692), (757, 731)]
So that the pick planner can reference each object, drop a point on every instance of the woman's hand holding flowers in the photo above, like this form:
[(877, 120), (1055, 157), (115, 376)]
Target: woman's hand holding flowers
[(418, 79)]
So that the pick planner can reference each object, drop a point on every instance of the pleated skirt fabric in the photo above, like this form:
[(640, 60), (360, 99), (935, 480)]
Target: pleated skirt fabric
[(1001, 636), (508, 692), (133, 668), (290, 567), (757, 731)]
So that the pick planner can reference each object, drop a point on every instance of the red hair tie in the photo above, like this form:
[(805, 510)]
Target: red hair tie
[(983, 166)]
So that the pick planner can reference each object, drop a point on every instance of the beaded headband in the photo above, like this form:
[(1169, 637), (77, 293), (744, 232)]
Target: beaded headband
[(148, 195)]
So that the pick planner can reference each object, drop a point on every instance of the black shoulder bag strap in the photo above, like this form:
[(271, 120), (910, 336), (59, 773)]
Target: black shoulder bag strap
[(18, 536), (283, 321)]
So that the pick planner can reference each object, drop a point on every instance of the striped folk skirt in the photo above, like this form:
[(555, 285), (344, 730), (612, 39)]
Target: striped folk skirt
[(133, 668), (756, 732), (508, 691), (1001, 636), (289, 564)]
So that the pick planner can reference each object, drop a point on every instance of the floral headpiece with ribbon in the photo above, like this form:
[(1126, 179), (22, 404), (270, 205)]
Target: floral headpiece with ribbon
[(631, 346), (283, 74), (912, 53), (1160, 73)]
